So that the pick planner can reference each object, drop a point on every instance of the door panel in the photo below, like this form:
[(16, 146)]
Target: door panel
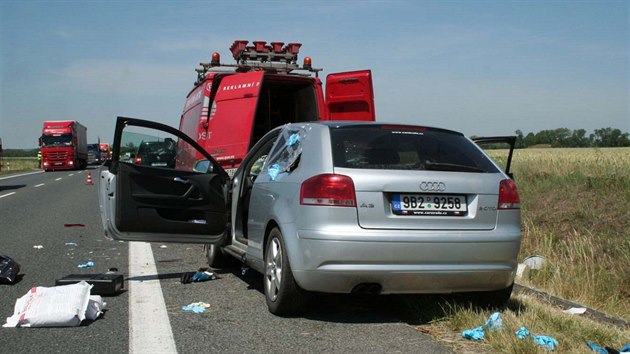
[(350, 96), (162, 196), (499, 142)]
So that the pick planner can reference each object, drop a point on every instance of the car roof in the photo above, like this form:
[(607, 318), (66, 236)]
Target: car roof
[(340, 124)]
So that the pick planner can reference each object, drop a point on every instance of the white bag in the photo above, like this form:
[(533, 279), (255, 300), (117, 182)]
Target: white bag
[(58, 306), (95, 307)]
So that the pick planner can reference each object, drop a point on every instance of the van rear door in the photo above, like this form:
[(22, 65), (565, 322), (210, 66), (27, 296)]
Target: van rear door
[(232, 115), (350, 96)]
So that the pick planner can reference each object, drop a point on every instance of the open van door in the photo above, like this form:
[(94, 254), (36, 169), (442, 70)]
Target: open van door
[(499, 142), (350, 96), (163, 197)]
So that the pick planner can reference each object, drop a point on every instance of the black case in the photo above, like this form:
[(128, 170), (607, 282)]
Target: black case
[(103, 284)]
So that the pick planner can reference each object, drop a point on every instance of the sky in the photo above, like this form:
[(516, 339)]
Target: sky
[(479, 67)]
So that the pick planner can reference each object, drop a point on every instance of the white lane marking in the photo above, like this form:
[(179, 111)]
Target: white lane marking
[(70, 175), (39, 185), (6, 195), (149, 327), (20, 175), (58, 179)]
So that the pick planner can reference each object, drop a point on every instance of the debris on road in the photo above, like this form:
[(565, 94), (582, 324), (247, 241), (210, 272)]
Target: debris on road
[(494, 323), (534, 262), (9, 270), (606, 350), (163, 246), (71, 244), (108, 284), (196, 307), (244, 270), (59, 306), (39, 247), (575, 310), (73, 225), (95, 307), (194, 277), (86, 265)]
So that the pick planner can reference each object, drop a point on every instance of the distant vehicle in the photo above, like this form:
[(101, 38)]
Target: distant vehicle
[(233, 105), (156, 153), (63, 145), (94, 155), (105, 151), (339, 207)]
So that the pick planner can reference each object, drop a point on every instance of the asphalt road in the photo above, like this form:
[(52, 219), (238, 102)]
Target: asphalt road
[(33, 211)]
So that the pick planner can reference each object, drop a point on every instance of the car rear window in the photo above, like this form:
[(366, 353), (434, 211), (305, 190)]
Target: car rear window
[(398, 147)]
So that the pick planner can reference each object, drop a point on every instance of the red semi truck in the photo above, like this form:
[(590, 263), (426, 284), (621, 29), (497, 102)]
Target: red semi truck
[(105, 151), (232, 106), (63, 145)]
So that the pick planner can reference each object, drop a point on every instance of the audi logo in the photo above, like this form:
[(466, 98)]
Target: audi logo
[(432, 186)]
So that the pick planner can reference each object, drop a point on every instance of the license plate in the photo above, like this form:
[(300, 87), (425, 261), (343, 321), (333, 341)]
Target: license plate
[(429, 204), (158, 163)]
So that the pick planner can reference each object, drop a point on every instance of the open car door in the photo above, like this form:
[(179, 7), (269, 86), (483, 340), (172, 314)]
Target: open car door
[(167, 196), (350, 96), (499, 142)]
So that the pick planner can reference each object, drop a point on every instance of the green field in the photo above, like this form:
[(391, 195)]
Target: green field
[(18, 164)]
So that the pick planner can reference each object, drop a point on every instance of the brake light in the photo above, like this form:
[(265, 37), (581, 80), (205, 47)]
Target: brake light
[(138, 160), (329, 190), (508, 195)]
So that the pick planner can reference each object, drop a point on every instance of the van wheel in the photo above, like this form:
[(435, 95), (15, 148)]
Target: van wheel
[(282, 293), (218, 259)]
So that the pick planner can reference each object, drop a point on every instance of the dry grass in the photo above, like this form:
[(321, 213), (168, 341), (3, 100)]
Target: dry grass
[(575, 213)]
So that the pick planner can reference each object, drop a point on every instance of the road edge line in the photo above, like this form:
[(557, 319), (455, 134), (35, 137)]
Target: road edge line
[(149, 326)]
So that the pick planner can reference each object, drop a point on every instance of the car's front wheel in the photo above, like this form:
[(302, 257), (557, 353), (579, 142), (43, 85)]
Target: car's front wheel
[(284, 296)]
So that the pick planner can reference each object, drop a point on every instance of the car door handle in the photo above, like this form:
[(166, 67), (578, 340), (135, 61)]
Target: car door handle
[(181, 180)]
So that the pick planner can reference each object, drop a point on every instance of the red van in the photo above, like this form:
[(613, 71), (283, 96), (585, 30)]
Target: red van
[(231, 106)]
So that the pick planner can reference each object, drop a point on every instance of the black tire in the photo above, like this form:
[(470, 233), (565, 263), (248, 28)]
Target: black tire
[(493, 299), (218, 259), (283, 295)]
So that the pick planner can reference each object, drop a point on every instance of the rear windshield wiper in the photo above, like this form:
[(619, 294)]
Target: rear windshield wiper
[(441, 166)]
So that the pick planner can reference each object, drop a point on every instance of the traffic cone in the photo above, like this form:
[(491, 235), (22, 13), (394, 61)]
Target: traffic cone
[(89, 178)]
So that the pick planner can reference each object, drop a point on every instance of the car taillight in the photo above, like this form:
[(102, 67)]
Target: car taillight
[(508, 195), (138, 160), (329, 190)]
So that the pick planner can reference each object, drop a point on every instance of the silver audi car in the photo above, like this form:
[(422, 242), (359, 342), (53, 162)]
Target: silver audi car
[(336, 207)]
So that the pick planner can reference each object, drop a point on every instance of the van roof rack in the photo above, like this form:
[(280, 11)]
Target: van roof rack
[(274, 57)]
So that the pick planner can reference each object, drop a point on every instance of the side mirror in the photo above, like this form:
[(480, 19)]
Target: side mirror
[(203, 166), (39, 141)]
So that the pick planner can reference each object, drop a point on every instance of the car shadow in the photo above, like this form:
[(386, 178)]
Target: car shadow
[(416, 309), (10, 187)]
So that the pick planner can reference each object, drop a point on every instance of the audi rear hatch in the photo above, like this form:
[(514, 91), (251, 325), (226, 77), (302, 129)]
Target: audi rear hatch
[(417, 178)]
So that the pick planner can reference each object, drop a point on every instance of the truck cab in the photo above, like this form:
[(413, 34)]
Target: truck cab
[(231, 106)]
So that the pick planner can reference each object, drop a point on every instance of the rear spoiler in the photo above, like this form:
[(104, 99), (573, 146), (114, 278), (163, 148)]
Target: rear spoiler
[(511, 140)]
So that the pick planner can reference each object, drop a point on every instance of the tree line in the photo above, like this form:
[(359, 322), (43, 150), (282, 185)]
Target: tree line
[(564, 137)]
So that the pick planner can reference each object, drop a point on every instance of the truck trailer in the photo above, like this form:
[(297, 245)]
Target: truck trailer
[(63, 145)]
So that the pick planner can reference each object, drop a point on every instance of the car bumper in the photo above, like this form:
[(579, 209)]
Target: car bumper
[(405, 262)]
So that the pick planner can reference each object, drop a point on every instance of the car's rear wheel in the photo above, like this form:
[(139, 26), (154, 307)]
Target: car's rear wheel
[(282, 293)]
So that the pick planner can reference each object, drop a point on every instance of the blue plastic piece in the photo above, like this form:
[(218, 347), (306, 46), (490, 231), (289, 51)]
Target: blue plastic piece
[(522, 333), (474, 334), (195, 309), (202, 276), (596, 348), (494, 322), (293, 139), (274, 170), (87, 265), (546, 342)]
